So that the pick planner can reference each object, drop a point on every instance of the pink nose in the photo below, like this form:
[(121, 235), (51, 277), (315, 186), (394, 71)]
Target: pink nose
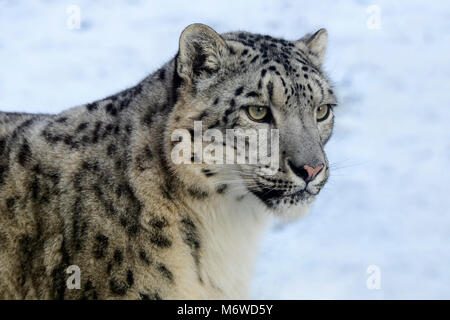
[(312, 172)]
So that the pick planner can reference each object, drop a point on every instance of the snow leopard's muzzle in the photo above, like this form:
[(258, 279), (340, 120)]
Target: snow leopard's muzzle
[(279, 191), (303, 170)]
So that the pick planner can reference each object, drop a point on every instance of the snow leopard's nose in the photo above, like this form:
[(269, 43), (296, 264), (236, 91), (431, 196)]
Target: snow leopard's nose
[(305, 172), (312, 172)]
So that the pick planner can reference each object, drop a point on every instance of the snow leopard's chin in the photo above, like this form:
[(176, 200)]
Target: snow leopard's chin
[(285, 210)]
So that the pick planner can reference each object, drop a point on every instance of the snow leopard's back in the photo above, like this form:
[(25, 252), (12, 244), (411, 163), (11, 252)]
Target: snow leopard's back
[(85, 188)]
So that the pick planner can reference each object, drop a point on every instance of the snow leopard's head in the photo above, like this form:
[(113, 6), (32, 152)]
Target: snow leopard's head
[(248, 81)]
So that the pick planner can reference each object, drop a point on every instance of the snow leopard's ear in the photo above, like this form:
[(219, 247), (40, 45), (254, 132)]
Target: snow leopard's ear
[(316, 45), (200, 52)]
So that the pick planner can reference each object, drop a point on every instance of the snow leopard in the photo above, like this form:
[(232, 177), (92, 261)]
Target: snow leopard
[(93, 191)]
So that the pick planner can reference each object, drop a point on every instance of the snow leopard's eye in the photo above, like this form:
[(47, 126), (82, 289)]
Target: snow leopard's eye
[(258, 113), (322, 112)]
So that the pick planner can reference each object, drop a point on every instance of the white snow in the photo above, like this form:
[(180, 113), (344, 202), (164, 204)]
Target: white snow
[(387, 201)]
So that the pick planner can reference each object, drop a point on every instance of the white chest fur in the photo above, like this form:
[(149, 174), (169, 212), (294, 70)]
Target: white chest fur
[(231, 231)]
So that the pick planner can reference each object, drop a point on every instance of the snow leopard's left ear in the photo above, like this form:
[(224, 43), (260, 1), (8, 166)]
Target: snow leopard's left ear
[(316, 46), (200, 52)]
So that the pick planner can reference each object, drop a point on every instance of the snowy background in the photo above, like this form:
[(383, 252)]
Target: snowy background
[(387, 203)]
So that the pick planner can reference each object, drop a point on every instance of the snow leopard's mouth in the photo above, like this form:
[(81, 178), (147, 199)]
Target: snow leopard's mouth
[(278, 195)]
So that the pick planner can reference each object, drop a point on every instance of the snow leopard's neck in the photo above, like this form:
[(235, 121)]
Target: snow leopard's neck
[(231, 232)]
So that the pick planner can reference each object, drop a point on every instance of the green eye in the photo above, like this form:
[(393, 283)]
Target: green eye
[(322, 112), (257, 113)]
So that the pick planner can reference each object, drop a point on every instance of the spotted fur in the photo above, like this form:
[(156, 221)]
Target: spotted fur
[(95, 187)]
